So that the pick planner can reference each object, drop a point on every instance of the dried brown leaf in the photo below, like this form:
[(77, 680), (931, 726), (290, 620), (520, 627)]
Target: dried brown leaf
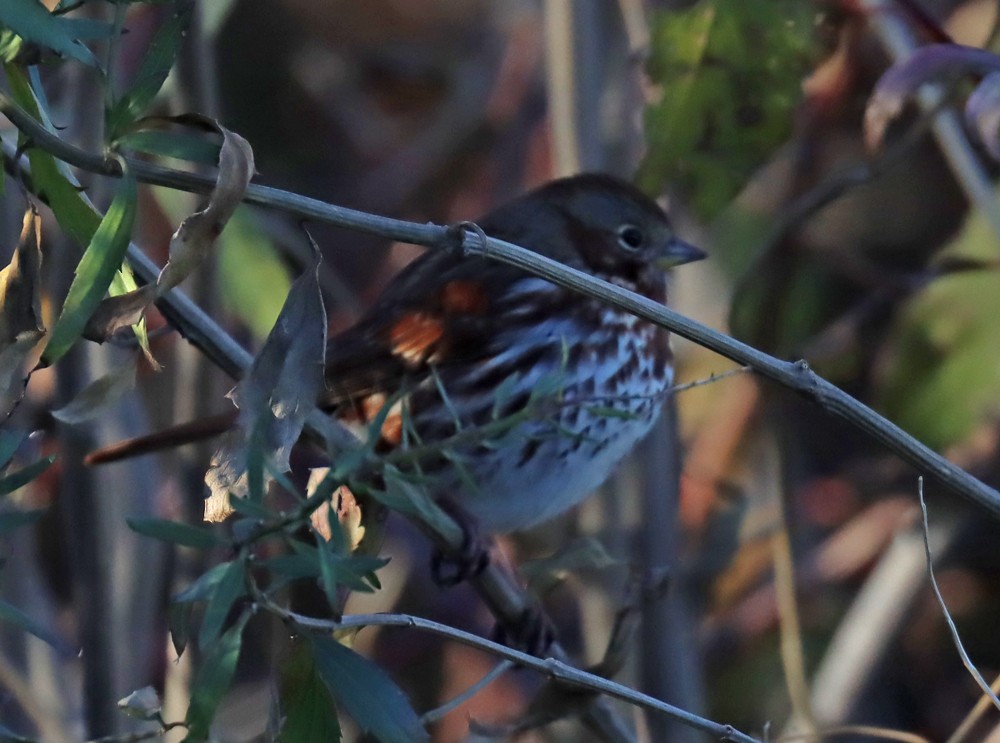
[(277, 394), (115, 313), (20, 302), (193, 240)]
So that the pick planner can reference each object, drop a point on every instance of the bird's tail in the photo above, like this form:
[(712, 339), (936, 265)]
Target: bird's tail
[(183, 433)]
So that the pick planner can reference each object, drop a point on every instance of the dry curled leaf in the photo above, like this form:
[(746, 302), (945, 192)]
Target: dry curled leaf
[(347, 511), (115, 313), (20, 304), (932, 63), (192, 241), (275, 397)]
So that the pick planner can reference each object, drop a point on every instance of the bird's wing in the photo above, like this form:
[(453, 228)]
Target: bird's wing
[(442, 311)]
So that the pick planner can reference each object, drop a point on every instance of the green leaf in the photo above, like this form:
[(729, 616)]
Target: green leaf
[(10, 46), (293, 567), (306, 709), (30, 20), (204, 587), (11, 482), (328, 573), (153, 71), (731, 75), (13, 615), (179, 624), (95, 271), (940, 378), (366, 693), (175, 532), (212, 680), (10, 520), (413, 500), (232, 585)]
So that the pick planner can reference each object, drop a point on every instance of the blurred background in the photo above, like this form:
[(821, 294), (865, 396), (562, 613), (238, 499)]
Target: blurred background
[(798, 598)]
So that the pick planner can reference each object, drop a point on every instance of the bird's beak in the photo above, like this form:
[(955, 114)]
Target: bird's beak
[(677, 252)]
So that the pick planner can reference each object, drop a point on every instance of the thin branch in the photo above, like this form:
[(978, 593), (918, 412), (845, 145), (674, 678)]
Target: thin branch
[(494, 673), (794, 375), (966, 660), (550, 667)]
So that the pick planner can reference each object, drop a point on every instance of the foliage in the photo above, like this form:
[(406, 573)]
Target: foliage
[(730, 75)]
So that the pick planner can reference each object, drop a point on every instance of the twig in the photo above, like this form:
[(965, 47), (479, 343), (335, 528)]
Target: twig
[(966, 661), (710, 379), (550, 667), (496, 672)]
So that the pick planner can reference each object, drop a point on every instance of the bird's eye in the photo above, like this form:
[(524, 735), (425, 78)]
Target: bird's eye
[(630, 237)]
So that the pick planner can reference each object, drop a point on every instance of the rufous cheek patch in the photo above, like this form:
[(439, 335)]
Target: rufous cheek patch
[(414, 335), (464, 297)]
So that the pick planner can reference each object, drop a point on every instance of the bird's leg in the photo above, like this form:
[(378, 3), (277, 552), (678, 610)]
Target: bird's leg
[(469, 560)]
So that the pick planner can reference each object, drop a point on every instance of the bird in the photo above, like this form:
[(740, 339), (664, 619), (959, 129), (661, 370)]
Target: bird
[(457, 343)]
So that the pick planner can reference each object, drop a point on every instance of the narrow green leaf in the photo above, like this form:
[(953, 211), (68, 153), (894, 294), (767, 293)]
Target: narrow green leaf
[(10, 520), (95, 271), (293, 567), (70, 206), (13, 481), (413, 500), (179, 625), (13, 615), (231, 586), (175, 532), (366, 693), (213, 678), (204, 587), (306, 709), (153, 71), (328, 573), (10, 46), (30, 20)]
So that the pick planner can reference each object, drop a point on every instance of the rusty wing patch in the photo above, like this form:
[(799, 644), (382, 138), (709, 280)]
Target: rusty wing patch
[(413, 337)]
